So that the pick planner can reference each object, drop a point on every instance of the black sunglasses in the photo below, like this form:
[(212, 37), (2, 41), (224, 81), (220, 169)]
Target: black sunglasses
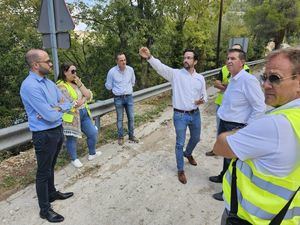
[(273, 78), (73, 71)]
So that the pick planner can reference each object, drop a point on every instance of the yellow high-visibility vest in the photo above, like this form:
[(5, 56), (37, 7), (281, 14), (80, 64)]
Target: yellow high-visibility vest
[(262, 196), (225, 80), (69, 116)]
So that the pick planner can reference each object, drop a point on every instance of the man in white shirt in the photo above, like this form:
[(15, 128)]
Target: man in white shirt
[(267, 169), (189, 91), (243, 101)]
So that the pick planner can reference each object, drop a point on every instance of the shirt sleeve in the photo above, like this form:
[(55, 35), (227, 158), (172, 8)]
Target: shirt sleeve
[(64, 103), (162, 69), (65, 100), (133, 78), (256, 99), (109, 80), (34, 97), (255, 140), (204, 93)]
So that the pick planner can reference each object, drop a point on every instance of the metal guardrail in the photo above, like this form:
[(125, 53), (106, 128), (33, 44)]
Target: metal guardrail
[(19, 134)]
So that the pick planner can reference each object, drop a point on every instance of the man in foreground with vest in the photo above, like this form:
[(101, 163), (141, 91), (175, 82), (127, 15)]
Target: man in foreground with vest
[(44, 105), (268, 164), (221, 83)]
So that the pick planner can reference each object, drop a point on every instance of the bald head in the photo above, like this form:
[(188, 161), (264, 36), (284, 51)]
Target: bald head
[(34, 55), (39, 62), (237, 46)]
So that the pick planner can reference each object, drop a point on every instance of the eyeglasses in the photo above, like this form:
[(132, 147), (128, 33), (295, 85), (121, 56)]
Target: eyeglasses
[(73, 71), (273, 78), (47, 61)]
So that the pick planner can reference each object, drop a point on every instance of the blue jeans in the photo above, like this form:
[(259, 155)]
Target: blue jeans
[(47, 145), (181, 122), (91, 132), (223, 127), (121, 103)]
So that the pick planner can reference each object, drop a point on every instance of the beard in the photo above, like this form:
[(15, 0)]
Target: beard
[(186, 66), (44, 71)]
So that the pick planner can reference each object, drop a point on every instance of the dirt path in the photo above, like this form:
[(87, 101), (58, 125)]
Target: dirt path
[(135, 184)]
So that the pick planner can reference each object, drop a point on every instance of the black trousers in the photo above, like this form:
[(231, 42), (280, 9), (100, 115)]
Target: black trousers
[(47, 146), (223, 127)]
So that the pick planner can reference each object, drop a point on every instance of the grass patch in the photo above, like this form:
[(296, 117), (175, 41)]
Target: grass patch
[(8, 181)]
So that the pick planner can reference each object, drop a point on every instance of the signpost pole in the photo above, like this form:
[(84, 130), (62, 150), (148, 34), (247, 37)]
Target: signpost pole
[(53, 38)]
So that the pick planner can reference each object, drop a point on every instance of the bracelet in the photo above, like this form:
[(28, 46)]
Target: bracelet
[(80, 86)]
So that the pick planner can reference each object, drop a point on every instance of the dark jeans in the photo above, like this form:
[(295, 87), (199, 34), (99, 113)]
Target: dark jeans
[(223, 127), (47, 145)]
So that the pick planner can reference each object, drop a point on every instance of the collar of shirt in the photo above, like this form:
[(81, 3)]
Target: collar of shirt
[(36, 76), (293, 104), (236, 77), (188, 73), (121, 71)]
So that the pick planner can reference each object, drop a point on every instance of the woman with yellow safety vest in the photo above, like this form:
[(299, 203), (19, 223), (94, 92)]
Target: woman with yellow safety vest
[(78, 119)]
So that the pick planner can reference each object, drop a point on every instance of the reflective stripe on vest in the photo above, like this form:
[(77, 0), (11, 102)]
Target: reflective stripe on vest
[(225, 80), (268, 186), (261, 196)]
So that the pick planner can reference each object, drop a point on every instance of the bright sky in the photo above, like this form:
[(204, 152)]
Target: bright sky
[(80, 26)]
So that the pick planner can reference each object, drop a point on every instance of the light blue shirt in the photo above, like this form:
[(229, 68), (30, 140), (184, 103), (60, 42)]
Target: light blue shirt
[(243, 99), (39, 96), (186, 87), (120, 82)]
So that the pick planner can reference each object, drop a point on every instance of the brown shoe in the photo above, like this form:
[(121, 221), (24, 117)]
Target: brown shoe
[(181, 177), (191, 159), (210, 153), (134, 139), (121, 141)]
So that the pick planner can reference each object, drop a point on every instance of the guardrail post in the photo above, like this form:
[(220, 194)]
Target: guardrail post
[(97, 122)]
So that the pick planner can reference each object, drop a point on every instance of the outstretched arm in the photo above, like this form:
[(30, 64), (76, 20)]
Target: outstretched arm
[(162, 69)]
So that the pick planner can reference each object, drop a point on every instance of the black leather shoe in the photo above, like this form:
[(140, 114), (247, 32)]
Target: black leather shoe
[(60, 196), (216, 179), (218, 196), (52, 216)]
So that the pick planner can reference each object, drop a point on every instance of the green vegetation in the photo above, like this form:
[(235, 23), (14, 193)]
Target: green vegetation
[(167, 27)]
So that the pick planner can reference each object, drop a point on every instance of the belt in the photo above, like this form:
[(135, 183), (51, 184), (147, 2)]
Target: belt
[(121, 96), (54, 128), (189, 112), (234, 123)]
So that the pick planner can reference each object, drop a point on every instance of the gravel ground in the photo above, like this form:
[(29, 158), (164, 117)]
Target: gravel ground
[(134, 184)]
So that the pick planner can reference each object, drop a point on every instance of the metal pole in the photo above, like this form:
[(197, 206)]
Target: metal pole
[(219, 34), (53, 37)]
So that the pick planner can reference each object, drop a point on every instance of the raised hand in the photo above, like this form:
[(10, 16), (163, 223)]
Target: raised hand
[(145, 52)]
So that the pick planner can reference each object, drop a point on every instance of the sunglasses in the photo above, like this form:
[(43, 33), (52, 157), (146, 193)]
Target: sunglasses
[(273, 78), (73, 71)]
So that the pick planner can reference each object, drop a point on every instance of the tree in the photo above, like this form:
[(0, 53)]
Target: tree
[(18, 35), (273, 19)]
